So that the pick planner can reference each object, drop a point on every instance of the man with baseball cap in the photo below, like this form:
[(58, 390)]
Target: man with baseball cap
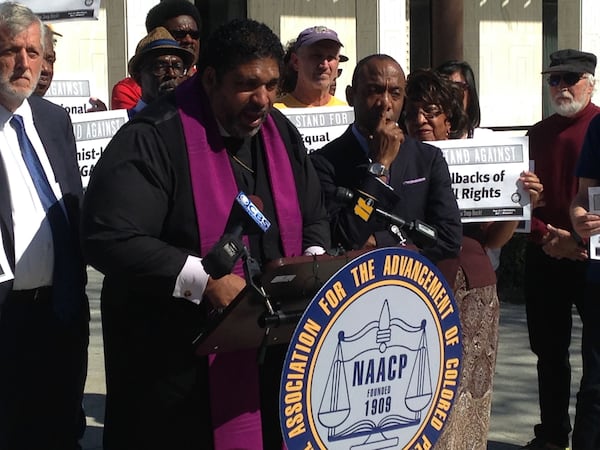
[(554, 250), (315, 58), (158, 66)]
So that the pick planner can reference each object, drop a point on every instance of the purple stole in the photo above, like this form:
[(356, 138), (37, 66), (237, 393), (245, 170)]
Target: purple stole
[(233, 377)]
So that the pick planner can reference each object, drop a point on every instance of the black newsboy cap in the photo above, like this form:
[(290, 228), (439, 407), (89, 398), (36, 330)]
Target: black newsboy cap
[(569, 60)]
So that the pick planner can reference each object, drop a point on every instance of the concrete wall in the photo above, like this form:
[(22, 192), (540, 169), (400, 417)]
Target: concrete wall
[(589, 15), (287, 19), (81, 53), (502, 41), (364, 26)]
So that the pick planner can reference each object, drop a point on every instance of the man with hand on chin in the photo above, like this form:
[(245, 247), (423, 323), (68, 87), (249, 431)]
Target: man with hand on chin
[(375, 160)]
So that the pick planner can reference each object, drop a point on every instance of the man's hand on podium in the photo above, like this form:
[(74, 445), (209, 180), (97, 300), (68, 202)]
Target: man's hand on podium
[(221, 292)]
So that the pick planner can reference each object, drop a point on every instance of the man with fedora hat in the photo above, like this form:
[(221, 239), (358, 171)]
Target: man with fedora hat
[(182, 19), (158, 66), (554, 250), (314, 57)]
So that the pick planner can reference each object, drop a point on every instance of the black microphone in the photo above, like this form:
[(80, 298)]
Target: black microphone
[(245, 218), (365, 205)]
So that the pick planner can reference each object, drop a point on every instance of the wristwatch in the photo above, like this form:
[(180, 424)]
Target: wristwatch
[(378, 169)]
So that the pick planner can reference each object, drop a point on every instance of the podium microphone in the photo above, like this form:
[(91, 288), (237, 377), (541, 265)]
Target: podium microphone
[(245, 218), (364, 206)]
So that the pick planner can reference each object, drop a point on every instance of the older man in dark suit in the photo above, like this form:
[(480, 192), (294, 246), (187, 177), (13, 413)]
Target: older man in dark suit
[(43, 306), (400, 175)]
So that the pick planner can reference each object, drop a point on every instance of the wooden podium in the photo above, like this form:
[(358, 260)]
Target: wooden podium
[(260, 317)]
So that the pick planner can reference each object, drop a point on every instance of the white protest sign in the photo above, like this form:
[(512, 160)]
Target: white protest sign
[(64, 9), (320, 125), (594, 208), (72, 94), (485, 177), (93, 132)]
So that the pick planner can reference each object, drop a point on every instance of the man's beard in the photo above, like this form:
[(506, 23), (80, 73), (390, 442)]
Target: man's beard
[(17, 94), (565, 107)]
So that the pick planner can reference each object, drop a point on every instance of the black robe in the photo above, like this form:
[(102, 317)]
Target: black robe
[(139, 226)]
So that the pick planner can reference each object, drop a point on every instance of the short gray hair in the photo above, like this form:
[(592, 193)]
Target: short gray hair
[(16, 18)]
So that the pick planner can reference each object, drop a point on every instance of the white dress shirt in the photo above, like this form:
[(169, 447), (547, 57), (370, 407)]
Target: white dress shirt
[(34, 248)]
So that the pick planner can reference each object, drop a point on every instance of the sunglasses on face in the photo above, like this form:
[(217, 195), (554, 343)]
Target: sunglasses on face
[(569, 78), (181, 34)]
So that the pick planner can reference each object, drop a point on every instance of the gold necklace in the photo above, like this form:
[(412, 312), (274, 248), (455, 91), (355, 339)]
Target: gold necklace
[(241, 163)]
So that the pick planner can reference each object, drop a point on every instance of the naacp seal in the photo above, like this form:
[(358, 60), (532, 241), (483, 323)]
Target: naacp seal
[(375, 360)]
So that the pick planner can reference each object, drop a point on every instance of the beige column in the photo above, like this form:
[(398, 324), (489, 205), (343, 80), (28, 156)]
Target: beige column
[(446, 31), (125, 26)]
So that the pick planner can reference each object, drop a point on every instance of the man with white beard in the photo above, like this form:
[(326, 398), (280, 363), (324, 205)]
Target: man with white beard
[(555, 258)]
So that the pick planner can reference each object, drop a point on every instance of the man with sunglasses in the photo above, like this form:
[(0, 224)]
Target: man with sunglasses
[(182, 19), (158, 66), (554, 250)]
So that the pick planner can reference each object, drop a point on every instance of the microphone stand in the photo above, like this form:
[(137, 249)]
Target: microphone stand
[(221, 260), (270, 317)]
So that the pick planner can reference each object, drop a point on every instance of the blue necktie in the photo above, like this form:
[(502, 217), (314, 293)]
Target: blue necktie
[(65, 297)]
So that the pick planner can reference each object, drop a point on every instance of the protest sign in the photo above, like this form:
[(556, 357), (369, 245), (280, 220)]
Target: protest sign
[(72, 94), (594, 208), (485, 177), (92, 133), (320, 125), (57, 10)]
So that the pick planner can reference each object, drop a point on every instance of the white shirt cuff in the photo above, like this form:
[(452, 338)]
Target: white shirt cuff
[(314, 250), (191, 281)]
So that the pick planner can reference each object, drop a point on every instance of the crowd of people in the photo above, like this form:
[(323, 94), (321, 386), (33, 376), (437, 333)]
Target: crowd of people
[(205, 124)]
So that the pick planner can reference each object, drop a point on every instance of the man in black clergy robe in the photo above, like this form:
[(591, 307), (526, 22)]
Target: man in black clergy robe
[(156, 203), (374, 159)]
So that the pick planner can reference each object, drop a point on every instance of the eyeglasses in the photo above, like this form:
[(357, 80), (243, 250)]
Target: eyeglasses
[(181, 34), (429, 112), (569, 78), (160, 68)]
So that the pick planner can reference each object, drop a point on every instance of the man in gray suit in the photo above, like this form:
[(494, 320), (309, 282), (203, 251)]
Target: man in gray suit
[(43, 307)]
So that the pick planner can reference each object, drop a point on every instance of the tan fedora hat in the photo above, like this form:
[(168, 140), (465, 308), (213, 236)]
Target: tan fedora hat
[(158, 42)]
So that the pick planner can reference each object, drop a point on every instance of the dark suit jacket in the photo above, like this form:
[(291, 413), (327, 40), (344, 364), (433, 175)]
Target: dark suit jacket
[(421, 190), (56, 133)]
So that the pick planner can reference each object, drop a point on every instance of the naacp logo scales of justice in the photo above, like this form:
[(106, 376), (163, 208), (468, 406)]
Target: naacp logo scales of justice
[(374, 362)]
